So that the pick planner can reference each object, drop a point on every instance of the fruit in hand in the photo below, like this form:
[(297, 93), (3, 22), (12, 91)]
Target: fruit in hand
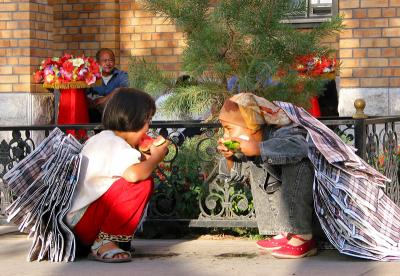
[(232, 145), (159, 141), (147, 142)]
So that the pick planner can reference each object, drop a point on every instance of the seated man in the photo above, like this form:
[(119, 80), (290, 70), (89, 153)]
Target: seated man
[(112, 78)]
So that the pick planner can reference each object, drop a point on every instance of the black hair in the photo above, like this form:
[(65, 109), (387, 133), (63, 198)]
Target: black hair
[(128, 110), (104, 50)]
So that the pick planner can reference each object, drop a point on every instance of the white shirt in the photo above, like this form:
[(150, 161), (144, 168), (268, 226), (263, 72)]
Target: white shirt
[(106, 79), (105, 157)]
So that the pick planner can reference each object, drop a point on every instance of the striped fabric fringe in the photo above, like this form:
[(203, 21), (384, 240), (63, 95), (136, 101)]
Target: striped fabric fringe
[(354, 212), (44, 183)]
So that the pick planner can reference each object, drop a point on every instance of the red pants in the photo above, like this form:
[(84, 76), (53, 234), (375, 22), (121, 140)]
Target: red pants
[(116, 214)]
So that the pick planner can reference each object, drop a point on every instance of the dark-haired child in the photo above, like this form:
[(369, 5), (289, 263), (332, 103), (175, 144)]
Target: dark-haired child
[(115, 185), (273, 159)]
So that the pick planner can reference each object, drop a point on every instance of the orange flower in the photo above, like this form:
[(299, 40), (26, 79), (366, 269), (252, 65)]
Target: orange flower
[(381, 161)]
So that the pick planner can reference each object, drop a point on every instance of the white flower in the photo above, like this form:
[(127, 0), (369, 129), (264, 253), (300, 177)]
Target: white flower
[(76, 62)]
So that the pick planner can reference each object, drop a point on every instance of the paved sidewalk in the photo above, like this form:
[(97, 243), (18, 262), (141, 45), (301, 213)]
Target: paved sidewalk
[(189, 257)]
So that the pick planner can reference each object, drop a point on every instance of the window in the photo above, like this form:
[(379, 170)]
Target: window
[(315, 11), (320, 8)]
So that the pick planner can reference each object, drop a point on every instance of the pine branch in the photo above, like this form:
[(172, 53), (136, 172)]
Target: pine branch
[(242, 38), (189, 15), (196, 99), (148, 77)]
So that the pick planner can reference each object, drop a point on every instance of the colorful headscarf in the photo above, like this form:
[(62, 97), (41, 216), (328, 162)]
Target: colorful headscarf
[(250, 111)]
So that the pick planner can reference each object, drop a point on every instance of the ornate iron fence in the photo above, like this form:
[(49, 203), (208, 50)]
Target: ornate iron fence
[(187, 184)]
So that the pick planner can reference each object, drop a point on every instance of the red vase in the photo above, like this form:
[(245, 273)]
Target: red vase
[(314, 110), (73, 109)]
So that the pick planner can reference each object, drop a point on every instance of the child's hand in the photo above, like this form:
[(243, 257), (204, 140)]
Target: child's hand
[(144, 156), (223, 149), (160, 151), (248, 147)]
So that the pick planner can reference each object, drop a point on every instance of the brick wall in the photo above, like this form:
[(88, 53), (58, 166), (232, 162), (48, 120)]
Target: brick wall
[(369, 47), (122, 26), (35, 29), (25, 39), (82, 27), (332, 42), (145, 35), (370, 44)]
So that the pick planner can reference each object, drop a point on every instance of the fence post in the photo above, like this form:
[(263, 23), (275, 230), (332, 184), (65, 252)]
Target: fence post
[(360, 138), (360, 128)]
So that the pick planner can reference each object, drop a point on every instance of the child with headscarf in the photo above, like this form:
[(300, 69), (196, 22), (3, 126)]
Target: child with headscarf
[(271, 154)]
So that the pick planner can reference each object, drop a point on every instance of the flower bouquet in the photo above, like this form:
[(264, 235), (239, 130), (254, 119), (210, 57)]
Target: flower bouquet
[(311, 68), (68, 72), (314, 66), (71, 75)]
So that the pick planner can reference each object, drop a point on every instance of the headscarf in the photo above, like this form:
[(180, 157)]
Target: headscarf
[(250, 111)]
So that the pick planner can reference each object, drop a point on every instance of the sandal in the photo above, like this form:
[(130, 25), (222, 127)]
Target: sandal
[(107, 256), (127, 246)]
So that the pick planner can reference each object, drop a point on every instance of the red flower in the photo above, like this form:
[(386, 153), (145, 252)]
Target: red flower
[(68, 66), (90, 78), (38, 76), (314, 66), (94, 68), (65, 57)]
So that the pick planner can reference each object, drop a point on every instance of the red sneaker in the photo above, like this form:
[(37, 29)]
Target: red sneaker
[(272, 243), (287, 251)]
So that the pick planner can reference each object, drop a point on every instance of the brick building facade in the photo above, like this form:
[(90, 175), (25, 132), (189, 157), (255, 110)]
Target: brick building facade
[(369, 48)]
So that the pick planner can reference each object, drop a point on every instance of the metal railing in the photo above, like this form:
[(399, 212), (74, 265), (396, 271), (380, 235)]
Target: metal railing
[(187, 185)]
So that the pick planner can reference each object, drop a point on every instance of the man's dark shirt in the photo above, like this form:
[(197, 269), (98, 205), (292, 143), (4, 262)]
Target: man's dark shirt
[(118, 79)]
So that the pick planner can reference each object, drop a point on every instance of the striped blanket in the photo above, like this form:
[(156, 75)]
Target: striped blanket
[(354, 212), (44, 183)]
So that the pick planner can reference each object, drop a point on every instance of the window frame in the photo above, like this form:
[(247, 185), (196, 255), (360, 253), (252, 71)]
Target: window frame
[(312, 20)]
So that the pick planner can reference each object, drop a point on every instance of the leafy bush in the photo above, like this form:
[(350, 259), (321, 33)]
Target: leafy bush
[(180, 183)]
